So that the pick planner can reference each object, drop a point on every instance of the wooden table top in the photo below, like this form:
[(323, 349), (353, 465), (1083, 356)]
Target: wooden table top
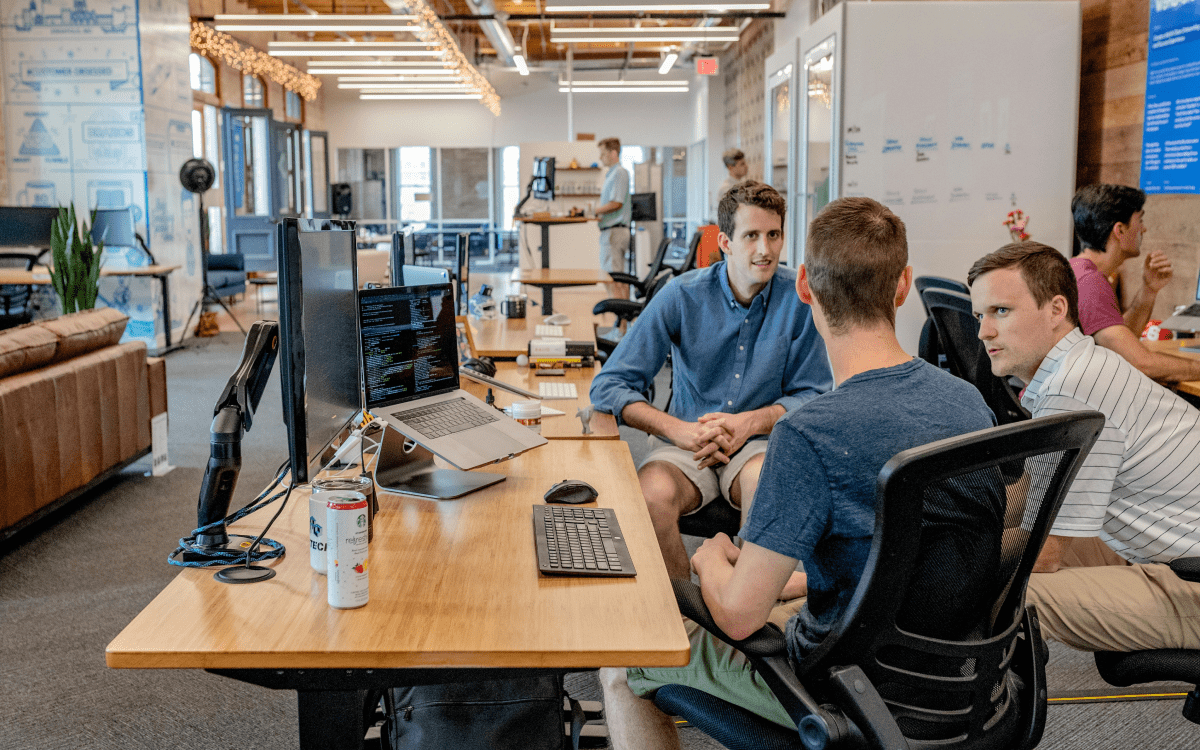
[(453, 583), (41, 275), (1172, 346), (560, 276), (506, 338), (566, 427), (555, 219)]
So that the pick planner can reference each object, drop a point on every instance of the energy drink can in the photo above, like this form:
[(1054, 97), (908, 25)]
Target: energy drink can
[(346, 553), (317, 533), (363, 484)]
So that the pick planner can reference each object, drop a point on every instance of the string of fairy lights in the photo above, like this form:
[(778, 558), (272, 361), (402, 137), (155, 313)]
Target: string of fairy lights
[(212, 43), (431, 31)]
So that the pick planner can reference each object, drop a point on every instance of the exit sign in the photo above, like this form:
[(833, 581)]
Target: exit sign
[(706, 66)]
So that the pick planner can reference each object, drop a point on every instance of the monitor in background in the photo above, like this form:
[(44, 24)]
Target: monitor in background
[(404, 252), (318, 318), (643, 207), (114, 227), (26, 226), (422, 276), (462, 272), (543, 177)]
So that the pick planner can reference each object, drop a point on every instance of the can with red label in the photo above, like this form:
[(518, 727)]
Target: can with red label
[(346, 553)]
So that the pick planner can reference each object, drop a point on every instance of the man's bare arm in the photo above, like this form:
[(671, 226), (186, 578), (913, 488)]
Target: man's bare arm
[(691, 436), (1156, 273), (1155, 365), (1050, 559), (741, 586)]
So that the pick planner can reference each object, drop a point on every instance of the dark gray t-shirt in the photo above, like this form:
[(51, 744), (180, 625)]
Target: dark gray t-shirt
[(816, 495)]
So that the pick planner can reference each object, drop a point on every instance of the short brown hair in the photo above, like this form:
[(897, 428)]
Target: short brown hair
[(1045, 271), (857, 249), (610, 144), (749, 193), (732, 156)]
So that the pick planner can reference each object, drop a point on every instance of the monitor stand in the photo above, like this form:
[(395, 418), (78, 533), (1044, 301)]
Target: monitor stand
[(412, 472)]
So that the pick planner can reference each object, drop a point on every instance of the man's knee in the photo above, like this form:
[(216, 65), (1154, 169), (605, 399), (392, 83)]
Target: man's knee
[(741, 490), (669, 494)]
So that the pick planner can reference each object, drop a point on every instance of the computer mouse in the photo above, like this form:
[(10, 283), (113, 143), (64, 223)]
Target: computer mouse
[(558, 319), (573, 491), (482, 365)]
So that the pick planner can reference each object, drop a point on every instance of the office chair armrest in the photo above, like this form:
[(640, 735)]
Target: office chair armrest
[(622, 308), (1187, 568), (863, 705), (766, 641), (624, 278)]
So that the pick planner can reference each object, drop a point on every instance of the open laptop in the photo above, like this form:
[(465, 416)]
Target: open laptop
[(409, 349), (1187, 319)]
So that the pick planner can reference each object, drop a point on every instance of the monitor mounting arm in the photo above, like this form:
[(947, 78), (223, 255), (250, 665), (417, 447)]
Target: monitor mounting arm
[(233, 415), (528, 192)]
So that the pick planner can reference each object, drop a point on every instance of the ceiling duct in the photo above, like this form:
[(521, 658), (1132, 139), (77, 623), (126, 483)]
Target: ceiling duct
[(495, 30)]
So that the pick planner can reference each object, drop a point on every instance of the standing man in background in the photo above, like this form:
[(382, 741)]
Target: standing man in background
[(614, 214), (735, 162)]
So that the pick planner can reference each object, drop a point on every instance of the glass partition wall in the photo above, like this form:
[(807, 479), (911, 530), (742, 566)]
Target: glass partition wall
[(818, 175)]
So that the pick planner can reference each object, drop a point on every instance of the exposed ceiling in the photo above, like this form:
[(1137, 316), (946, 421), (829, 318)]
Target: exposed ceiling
[(528, 23)]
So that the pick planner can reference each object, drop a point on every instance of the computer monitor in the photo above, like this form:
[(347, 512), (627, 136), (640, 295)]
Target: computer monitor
[(404, 253), (462, 272), (643, 207), (543, 177), (409, 343), (318, 319), (26, 226)]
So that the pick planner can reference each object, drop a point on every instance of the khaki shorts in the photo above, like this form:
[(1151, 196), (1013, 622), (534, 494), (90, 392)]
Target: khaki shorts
[(714, 481), (613, 245), (719, 670)]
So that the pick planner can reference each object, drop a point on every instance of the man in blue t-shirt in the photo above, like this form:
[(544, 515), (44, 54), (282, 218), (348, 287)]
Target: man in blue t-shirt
[(815, 500)]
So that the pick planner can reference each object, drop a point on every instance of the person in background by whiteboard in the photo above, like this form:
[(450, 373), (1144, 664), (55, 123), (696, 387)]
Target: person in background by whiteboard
[(613, 215), (1108, 225)]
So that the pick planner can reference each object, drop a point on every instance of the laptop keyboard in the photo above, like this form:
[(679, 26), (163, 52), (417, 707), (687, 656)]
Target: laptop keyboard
[(557, 390), (445, 418)]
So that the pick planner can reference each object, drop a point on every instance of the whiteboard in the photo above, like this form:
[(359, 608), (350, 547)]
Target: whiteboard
[(954, 114)]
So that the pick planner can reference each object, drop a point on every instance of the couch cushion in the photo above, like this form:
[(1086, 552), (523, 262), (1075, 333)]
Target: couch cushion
[(86, 331), (26, 347)]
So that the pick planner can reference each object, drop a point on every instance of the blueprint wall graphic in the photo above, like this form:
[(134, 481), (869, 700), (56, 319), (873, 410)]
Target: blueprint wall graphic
[(98, 111)]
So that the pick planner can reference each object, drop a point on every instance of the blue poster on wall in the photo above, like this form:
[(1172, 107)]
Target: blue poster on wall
[(1171, 134), (237, 136)]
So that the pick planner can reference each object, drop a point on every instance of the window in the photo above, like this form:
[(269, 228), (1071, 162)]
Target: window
[(203, 73), (206, 142), (416, 183), (510, 179), (254, 93), (294, 106)]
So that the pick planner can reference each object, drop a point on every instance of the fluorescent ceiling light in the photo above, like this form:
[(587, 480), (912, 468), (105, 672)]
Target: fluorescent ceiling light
[(610, 84), (351, 52), (447, 72), (651, 34), (415, 86), (624, 90), (443, 80), (420, 96), (519, 61), (717, 7), (668, 63), (314, 22), (342, 43), (375, 63)]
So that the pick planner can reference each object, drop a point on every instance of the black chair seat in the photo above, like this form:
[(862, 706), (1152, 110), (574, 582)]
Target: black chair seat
[(717, 516), (732, 726), (1123, 669)]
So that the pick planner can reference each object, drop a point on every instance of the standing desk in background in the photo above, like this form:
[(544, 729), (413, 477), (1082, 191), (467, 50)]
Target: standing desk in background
[(548, 279), (455, 594), (507, 338), (545, 223)]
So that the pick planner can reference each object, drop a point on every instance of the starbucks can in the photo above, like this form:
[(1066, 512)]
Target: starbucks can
[(346, 551)]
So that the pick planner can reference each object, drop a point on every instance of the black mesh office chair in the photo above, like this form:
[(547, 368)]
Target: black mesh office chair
[(929, 348), (14, 298), (1123, 669), (642, 286), (966, 356), (870, 684)]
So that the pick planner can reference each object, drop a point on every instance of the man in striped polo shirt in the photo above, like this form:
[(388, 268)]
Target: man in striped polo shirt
[(1139, 488)]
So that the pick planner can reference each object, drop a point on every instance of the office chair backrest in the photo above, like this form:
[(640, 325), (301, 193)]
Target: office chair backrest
[(693, 250), (656, 263), (938, 282), (958, 338), (23, 261), (949, 688), (14, 298)]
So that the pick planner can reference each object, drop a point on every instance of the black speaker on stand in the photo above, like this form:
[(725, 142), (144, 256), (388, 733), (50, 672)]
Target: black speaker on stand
[(342, 198), (197, 176)]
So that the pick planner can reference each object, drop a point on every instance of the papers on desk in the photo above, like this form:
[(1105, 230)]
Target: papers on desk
[(546, 411)]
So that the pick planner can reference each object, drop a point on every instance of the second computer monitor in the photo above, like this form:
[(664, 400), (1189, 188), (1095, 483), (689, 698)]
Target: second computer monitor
[(543, 177)]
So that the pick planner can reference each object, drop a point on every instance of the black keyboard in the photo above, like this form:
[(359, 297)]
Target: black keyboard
[(445, 418), (580, 542)]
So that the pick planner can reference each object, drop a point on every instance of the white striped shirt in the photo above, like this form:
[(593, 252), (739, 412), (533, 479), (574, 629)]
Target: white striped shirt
[(1139, 488)]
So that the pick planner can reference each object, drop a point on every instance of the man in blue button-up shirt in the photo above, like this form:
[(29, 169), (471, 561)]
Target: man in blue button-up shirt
[(744, 353)]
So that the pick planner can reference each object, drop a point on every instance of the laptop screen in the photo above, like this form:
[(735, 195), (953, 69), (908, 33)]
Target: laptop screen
[(409, 343)]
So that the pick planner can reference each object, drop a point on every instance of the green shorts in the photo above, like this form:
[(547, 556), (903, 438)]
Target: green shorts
[(720, 670)]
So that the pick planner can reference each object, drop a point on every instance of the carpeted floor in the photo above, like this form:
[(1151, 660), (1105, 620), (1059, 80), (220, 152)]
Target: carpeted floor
[(69, 585)]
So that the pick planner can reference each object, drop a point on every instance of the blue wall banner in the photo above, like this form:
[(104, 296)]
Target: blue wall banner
[(1171, 133)]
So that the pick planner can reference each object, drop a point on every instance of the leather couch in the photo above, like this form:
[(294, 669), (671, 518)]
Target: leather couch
[(75, 408), (227, 274)]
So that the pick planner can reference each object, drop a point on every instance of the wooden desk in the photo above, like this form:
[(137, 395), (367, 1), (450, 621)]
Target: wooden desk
[(1191, 387), (41, 276), (550, 278), (545, 223), (566, 427), (507, 338), (453, 584)]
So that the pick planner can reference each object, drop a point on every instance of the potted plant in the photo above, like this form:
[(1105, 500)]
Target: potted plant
[(76, 270)]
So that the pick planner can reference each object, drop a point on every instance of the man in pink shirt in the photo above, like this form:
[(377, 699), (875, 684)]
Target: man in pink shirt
[(1108, 225)]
